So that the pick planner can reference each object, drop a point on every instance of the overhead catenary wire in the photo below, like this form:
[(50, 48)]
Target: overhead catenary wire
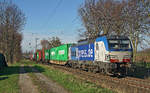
[(71, 24), (52, 14)]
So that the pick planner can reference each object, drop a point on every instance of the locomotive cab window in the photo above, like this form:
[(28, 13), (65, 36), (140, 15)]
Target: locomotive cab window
[(125, 44), (119, 44), (113, 44)]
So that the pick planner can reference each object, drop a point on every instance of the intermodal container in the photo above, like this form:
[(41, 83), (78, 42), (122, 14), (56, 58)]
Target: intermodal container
[(47, 54), (39, 55), (60, 53), (43, 54)]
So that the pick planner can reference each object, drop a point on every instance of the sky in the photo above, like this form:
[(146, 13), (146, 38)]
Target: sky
[(48, 18)]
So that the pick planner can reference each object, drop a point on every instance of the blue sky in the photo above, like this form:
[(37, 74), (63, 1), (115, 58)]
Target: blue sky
[(47, 18)]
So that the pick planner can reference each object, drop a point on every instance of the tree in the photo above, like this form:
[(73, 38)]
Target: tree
[(18, 53), (45, 44), (12, 21), (129, 18), (52, 42), (102, 17), (137, 27)]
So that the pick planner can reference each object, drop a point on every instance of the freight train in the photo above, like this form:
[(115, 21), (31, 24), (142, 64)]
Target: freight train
[(106, 54)]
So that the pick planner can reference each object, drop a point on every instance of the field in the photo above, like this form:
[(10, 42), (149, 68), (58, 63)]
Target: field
[(143, 56), (9, 79), (72, 83), (54, 78)]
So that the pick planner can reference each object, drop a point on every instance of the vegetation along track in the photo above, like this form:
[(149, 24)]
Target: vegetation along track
[(126, 84)]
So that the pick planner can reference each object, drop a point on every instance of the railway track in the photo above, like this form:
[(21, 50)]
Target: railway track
[(139, 84)]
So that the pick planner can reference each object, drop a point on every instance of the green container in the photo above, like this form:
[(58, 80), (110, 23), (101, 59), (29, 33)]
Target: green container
[(53, 53), (60, 53), (37, 56), (47, 54), (33, 56)]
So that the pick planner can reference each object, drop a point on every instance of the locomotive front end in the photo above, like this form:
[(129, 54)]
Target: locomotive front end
[(120, 50), (120, 53)]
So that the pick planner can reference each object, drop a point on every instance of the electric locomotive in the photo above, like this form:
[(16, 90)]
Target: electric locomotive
[(107, 54)]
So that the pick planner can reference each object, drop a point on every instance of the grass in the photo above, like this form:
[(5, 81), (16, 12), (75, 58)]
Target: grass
[(9, 78), (143, 56), (70, 82), (27, 62), (38, 83), (140, 70), (35, 80), (142, 64)]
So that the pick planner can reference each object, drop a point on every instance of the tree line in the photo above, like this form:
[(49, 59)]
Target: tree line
[(52, 42), (12, 21), (112, 17)]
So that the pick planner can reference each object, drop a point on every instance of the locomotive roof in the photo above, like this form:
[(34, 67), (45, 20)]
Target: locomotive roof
[(117, 37), (85, 41), (91, 40)]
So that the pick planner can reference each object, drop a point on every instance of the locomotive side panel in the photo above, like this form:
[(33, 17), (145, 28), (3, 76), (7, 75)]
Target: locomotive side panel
[(86, 52)]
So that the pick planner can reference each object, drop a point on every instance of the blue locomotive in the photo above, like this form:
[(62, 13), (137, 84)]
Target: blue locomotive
[(108, 54)]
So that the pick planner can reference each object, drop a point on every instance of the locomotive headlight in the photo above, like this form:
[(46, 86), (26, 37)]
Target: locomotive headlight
[(114, 58)]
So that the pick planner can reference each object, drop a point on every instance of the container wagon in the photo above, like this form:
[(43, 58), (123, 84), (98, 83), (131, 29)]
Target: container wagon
[(60, 54)]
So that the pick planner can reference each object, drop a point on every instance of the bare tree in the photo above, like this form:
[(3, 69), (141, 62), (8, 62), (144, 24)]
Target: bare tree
[(137, 28), (45, 44), (17, 50), (52, 42), (102, 17), (130, 18), (12, 21)]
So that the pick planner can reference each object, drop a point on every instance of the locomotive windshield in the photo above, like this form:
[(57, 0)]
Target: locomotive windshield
[(119, 44)]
